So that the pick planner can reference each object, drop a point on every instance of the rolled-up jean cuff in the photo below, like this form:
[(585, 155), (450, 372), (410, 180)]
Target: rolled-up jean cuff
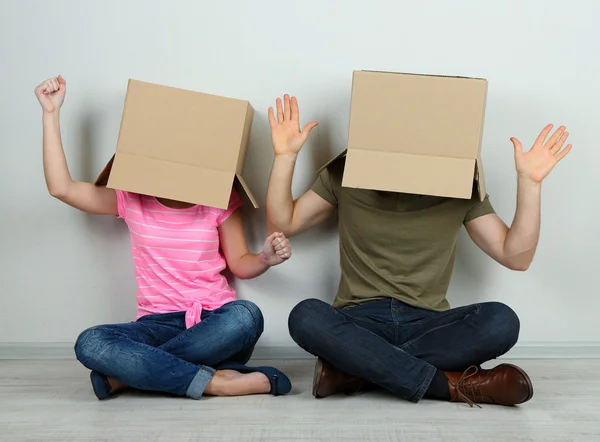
[(200, 381), (431, 370)]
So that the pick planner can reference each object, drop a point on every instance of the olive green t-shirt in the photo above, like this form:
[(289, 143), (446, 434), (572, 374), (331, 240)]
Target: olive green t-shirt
[(395, 245)]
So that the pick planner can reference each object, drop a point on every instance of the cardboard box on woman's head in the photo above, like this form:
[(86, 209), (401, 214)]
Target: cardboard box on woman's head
[(418, 134), (180, 145)]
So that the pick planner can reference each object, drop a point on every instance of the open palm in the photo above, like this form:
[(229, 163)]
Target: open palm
[(286, 135), (539, 161)]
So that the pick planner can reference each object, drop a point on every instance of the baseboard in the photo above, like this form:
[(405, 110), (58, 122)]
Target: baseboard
[(36, 350), (526, 350)]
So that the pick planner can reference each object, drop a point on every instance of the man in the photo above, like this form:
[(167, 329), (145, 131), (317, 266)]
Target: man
[(390, 324)]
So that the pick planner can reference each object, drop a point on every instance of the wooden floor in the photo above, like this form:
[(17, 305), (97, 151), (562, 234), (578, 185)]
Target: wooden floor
[(52, 401)]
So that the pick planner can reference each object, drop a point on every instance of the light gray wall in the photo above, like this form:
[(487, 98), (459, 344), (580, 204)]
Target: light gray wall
[(62, 271)]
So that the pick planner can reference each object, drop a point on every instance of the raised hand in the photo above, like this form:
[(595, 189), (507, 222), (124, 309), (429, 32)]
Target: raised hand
[(277, 249), (539, 161), (286, 135), (51, 94)]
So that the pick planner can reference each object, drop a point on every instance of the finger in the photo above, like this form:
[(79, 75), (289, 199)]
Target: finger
[(270, 238), (47, 87), (287, 111), (555, 137), (295, 111), (55, 84), (281, 246), (563, 153), (272, 121), (517, 145), (554, 149), (543, 135), (279, 111)]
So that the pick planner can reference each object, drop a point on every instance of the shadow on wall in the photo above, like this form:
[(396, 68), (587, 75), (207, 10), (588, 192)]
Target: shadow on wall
[(108, 235)]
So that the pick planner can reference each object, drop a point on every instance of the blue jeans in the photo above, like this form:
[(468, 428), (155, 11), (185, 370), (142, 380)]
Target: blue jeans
[(399, 347), (157, 352)]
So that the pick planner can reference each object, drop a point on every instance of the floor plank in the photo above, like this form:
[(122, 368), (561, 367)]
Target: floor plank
[(51, 400)]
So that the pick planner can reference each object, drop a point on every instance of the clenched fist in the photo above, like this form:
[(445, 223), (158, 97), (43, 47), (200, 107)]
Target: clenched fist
[(276, 250), (51, 94)]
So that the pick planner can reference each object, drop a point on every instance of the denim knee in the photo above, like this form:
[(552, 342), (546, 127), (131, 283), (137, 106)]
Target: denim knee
[(504, 324), (304, 318), (87, 346), (248, 316)]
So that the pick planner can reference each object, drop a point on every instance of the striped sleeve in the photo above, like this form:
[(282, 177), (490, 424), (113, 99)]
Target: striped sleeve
[(234, 203), (122, 204)]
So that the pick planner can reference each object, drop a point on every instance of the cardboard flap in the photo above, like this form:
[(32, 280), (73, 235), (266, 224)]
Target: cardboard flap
[(247, 191), (245, 139), (181, 182), (406, 173), (320, 169), (480, 179)]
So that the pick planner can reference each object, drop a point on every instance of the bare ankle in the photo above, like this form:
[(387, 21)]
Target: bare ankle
[(233, 383), (217, 385), (115, 385)]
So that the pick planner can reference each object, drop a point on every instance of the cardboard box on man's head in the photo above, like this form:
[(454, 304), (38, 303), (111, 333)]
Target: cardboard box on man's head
[(180, 145), (418, 134)]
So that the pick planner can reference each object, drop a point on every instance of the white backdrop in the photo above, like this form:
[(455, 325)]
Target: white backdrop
[(62, 271)]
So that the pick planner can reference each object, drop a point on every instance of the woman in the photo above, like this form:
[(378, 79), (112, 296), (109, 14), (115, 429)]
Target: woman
[(191, 336)]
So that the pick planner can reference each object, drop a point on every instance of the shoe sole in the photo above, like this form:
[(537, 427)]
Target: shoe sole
[(527, 379), (317, 377)]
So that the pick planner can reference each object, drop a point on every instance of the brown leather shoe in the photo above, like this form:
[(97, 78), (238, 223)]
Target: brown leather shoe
[(329, 380), (505, 384)]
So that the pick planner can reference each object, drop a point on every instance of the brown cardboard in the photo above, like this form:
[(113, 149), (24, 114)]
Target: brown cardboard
[(414, 133), (180, 145)]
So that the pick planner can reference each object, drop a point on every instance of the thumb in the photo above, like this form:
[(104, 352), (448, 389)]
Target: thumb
[(62, 83), (271, 238), (517, 145), (310, 126)]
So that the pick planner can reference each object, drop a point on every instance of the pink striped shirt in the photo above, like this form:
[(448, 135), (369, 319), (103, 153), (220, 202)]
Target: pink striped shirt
[(177, 258)]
